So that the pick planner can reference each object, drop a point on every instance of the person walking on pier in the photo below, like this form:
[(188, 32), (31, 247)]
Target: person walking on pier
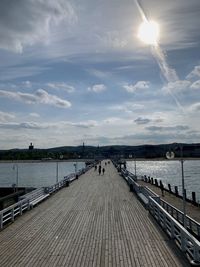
[(103, 171), (99, 169)]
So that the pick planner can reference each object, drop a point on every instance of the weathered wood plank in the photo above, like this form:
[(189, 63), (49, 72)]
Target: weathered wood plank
[(94, 222)]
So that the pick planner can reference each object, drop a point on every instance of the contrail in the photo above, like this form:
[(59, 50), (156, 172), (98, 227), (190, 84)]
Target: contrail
[(169, 73)]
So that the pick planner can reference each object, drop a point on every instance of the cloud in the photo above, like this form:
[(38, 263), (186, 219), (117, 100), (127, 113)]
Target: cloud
[(34, 115), (112, 39), (40, 97), (195, 107), (141, 120), (194, 73), (61, 86), (27, 22), (138, 86), (167, 128), (196, 85), (177, 86), (128, 107), (86, 124), (27, 84), (97, 88), (4, 116), (47, 125), (24, 125)]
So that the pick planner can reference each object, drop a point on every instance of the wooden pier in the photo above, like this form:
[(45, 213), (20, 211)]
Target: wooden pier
[(95, 222)]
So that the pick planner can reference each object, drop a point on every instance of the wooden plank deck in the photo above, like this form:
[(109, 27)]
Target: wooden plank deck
[(94, 222)]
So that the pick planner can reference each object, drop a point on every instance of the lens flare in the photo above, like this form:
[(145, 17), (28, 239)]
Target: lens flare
[(149, 32)]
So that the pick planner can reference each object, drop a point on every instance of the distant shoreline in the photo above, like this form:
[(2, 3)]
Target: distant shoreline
[(84, 160)]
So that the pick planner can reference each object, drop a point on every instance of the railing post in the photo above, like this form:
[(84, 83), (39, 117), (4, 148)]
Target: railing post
[(12, 215), (29, 206), (1, 220), (196, 255), (183, 241), (20, 207), (172, 230)]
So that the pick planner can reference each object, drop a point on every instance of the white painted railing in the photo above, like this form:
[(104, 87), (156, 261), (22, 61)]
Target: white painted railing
[(8, 215), (186, 242), (192, 225)]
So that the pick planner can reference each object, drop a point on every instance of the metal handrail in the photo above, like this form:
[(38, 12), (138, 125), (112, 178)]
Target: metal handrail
[(186, 242), (8, 214)]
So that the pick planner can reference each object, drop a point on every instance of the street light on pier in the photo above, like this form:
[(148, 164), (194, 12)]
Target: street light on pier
[(75, 168), (171, 155), (135, 165), (56, 171)]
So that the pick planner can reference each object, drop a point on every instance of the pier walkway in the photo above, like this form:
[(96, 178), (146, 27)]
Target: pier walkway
[(96, 222)]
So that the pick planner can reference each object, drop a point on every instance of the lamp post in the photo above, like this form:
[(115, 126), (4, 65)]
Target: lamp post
[(171, 155), (15, 166), (56, 171), (75, 168), (135, 165), (183, 188)]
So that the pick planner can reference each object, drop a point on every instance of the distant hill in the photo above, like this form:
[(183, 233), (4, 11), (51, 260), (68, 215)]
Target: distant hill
[(125, 151)]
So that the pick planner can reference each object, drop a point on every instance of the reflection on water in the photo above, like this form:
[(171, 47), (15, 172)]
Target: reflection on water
[(35, 174), (170, 172)]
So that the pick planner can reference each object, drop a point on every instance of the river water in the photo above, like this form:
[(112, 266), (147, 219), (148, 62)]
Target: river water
[(35, 174), (169, 171)]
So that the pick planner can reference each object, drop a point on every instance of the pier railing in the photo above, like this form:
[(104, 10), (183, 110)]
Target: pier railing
[(9, 214), (27, 201), (186, 242), (144, 193), (170, 218)]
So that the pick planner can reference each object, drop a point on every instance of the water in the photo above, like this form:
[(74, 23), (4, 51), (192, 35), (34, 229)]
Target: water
[(170, 172), (35, 174)]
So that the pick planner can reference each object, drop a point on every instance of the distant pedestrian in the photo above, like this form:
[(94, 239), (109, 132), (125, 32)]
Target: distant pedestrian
[(95, 167), (103, 171), (99, 169)]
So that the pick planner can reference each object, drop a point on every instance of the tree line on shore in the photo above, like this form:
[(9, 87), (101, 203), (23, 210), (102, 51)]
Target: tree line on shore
[(113, 151)]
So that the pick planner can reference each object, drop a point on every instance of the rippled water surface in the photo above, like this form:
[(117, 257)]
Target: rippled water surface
[(35, 174), (170, 172)]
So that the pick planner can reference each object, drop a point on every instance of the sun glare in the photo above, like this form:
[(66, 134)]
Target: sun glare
[(149, 32)]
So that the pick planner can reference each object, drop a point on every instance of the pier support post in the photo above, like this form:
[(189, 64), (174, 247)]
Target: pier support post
[(194, 197), (169, 186), (176, 190)]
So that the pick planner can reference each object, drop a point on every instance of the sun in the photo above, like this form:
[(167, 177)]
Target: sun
[(149, 32)]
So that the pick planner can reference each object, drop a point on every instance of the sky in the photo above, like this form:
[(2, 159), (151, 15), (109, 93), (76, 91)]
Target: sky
[(76, 71)]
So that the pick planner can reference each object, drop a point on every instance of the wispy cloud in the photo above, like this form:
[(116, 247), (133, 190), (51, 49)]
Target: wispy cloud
[(5, 116), (40, 97), (97, 88), (24, 125), (61, 86), (141, 120), (34, 115), (112, 39), (167, 128), (129, 107), (195, 107), (28, 22), (140, 85), (196, 85), (194, 73), (177, 86)]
